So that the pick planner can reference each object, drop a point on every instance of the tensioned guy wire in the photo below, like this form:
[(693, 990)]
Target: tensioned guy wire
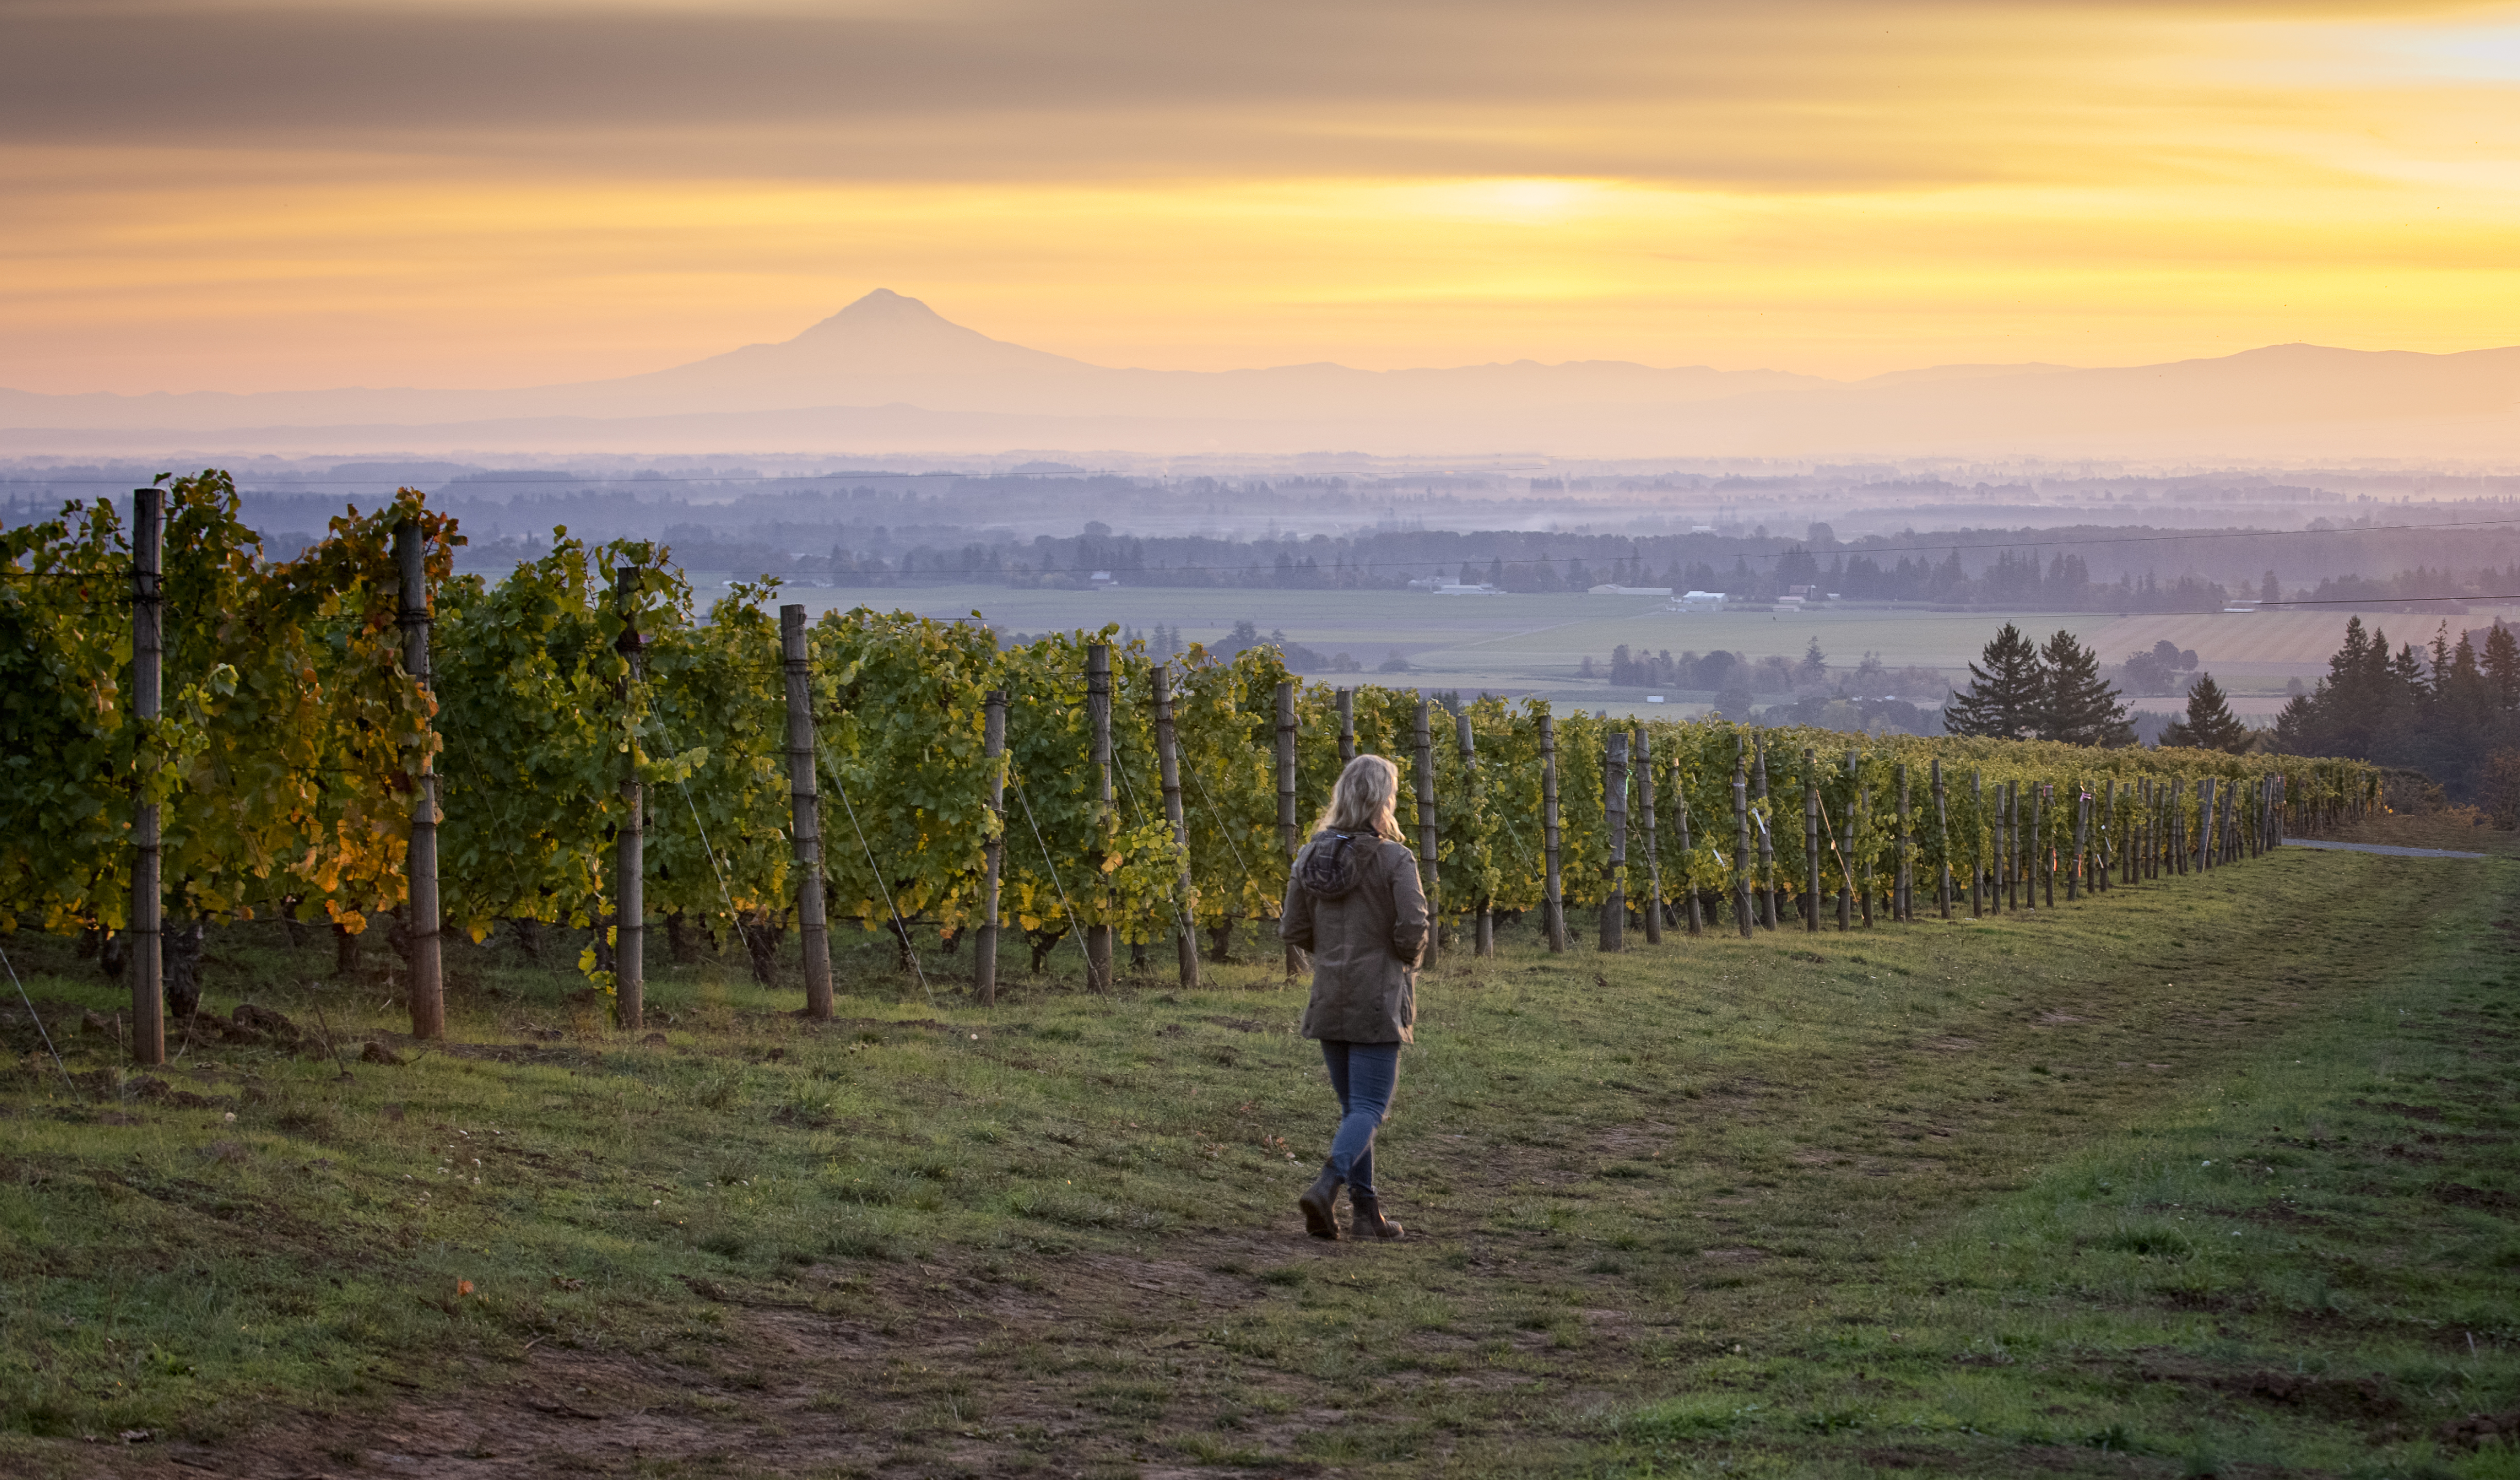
[(41, 1029), (876, 870)]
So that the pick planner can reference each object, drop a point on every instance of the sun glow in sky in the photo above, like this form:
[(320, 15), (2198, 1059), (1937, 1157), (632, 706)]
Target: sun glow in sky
[(248, 195)]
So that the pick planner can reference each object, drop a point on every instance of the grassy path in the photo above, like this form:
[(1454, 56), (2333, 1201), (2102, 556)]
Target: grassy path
[(2212, 1176)]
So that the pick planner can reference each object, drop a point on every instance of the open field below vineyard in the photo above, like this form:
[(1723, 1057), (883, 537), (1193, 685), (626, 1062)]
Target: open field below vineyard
[(1534, 643), (2210, 1176)]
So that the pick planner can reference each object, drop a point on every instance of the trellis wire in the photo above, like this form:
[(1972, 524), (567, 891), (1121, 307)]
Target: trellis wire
[(1055, 881), (876, 870), (45, 1032)]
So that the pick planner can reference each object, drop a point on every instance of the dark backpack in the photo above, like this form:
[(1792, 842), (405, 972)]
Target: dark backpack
[(1327, 868)]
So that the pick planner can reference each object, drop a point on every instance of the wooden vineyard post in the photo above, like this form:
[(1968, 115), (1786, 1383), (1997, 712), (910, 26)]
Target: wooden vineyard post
[(2009, 848), (1977, 831), (2041, 823), (147, 905), (1430, 835), (1347, 725), (1642, 747), (2103, 849), (1740, 846), (428, 985), (1168, 773), (993, 857), (1614, 819), (1811, 843), (1846, 849), (1289, 828), (1902, 905), (1552, 897), (1767, 835), (805, 812), (2025, 845), (2152, 832), (2205, 824), (630, 841), (2156, 829), (1942, 843), (1680, 818), (1483, 931), (2138, 820), (1099, 973), (2082, 833)]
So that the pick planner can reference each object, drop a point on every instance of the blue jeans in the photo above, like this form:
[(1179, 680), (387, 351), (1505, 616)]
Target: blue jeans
[(1363, 1074)]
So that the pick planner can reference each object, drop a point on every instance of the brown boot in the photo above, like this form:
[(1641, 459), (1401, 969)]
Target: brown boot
[(1320, 1204), (1365, 1220)]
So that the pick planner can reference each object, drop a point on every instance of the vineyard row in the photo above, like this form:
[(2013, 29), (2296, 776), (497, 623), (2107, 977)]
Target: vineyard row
[(196, 733)]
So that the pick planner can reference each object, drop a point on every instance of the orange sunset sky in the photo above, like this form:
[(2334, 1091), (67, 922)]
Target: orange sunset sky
[(234, 195)]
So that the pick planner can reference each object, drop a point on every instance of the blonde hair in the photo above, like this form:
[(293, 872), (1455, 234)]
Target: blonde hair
[(1363, 800)]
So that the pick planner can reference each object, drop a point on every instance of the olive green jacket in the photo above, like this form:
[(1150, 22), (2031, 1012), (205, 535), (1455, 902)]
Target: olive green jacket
[(1366, 945)]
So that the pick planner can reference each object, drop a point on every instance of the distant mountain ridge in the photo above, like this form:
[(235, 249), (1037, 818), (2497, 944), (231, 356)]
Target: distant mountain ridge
[(887, 373)]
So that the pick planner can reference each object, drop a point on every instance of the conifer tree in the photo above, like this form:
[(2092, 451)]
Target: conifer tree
[(2076, 705), (2003, 700), (2210, 723), (1815, 664)]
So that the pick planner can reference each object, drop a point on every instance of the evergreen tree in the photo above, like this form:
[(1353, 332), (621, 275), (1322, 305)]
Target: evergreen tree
[(2005, 698), (2076, 705), (1815, 664), (2503, 667), (2210, 723)]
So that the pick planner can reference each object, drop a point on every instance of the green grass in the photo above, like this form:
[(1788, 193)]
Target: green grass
[(2209, 1177)]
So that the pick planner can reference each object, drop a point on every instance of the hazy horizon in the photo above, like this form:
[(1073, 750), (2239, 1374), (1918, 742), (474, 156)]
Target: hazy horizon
[(265, 194)]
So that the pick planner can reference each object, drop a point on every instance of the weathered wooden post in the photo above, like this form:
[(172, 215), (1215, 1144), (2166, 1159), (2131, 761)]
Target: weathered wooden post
[(1346, 698), (1902, 904), (993, 857), (1767, 834), (147, 896), (427, 982), (1811, 843), (1942, 843), (2205, 824), (1688, 890), (2048, 841), (1553, 899), (2103, 844), (2082, 831), (1846, 849), (1642, 747), (1740, 846), (805, 813), (1430, 836), (630, 843), (1614, 819), (2007, 809), (1168, 774), (1483, 939), (1290, 827), (1100, 975), (1861, 832), (1977, 832)]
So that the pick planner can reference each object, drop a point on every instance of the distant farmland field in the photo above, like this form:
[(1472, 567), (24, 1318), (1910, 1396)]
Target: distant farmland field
[(1535, 644)]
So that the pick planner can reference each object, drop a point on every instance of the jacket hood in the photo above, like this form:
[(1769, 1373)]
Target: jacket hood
[(1333, 865)]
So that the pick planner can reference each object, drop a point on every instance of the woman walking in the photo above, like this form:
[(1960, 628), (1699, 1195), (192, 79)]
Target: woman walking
[(1353, 900)]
